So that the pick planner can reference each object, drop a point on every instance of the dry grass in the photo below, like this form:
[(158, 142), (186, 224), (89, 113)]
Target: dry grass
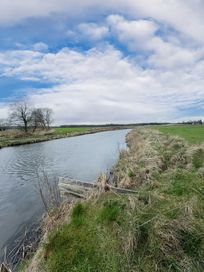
[(151, 153)]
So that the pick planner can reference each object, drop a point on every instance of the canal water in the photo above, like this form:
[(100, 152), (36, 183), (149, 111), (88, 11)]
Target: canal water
[(83, 157)]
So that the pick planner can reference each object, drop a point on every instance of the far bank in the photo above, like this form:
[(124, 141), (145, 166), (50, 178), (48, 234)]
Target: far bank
[(17, 137)]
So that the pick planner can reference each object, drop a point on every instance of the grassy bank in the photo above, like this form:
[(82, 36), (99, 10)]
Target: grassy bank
[(16, 137), (160, 228)]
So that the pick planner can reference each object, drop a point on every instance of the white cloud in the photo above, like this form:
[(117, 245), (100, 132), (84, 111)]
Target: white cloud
[(141, 35), (104, 86), (184, 16), (137, 33), (40, 46), (93, 31), (4, 111), (88, 32)]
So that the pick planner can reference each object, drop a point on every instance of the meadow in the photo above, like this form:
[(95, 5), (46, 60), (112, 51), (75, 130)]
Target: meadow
[(67, 130), (192, 133)]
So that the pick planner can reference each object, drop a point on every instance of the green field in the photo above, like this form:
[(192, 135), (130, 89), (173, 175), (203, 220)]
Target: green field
[(60, 131), (192, 133)]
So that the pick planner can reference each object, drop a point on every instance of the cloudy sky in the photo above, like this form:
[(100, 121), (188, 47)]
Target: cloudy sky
[(104, 61)]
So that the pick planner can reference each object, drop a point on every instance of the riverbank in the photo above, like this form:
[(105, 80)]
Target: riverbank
[(160, 228), (16, 138)]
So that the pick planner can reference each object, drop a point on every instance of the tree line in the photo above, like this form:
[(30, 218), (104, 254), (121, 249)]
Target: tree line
[(194, 122), (29, 118)]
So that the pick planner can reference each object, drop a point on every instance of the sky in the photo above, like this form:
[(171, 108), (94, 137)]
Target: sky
[(110, 61)]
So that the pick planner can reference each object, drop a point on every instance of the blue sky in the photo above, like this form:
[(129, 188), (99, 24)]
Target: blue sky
[(94, 62)]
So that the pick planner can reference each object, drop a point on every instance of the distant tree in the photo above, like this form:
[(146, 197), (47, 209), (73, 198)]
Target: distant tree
[(3, 124), (48, 117), (41, 118), (195, 122), (21, 115), (37, 119)]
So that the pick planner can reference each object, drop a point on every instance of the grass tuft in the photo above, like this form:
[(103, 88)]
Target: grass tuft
[(78, 214), (111, 211), (198, 158), (191, 243)]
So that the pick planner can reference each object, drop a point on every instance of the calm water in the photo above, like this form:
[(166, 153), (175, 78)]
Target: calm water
[(83, 157)]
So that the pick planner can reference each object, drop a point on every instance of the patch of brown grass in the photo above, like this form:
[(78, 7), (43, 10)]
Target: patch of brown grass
[(150, 153)]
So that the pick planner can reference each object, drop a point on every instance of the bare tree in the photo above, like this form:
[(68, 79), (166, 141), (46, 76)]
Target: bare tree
[(21, 114), (25, 116), (48, 117), (37, 118), (41, 118)]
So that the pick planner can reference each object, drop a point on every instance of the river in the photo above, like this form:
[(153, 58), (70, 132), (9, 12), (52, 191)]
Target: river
[(83, 157)]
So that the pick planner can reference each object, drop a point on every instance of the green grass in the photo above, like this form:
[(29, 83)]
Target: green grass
[(61, 131), (110, 211), (192, 133), (162, 233), (92, 241)]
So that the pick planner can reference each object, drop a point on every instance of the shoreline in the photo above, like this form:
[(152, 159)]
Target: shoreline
[(46, 138)]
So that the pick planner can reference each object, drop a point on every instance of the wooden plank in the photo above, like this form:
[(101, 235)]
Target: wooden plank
[(77, 182), (122, 190), (71, 193), (73, 187), (80, 188)]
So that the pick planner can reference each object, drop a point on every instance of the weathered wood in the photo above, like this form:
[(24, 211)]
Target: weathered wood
[(122, 190), (76, 188), (77, 182), (72, 187), (80, 189), (71, 193)]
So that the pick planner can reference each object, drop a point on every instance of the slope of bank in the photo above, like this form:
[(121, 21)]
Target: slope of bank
[(160, 228)]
